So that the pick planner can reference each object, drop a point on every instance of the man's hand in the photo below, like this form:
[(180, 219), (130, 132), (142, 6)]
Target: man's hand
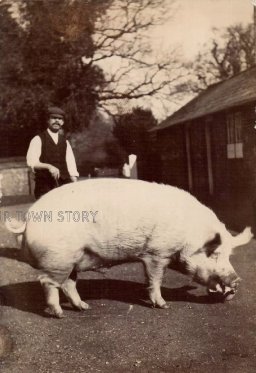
[(54, 171), (73, 178)]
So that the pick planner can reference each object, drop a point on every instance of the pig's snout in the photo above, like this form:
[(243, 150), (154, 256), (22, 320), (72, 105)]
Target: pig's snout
[(230, 291), (232, 280), (224, 287), (220, 281)]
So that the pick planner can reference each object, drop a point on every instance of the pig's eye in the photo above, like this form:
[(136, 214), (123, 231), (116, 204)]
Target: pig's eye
[(215, 256)]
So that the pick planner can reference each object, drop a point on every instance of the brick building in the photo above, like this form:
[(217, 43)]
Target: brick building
[(209, 145)]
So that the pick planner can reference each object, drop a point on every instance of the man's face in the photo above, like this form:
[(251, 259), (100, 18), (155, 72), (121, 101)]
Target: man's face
[(55, 123)]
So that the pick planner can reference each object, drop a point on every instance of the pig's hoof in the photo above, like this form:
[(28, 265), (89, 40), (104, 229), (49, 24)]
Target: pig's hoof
[(164, 306), (55, 313), (83, 306), (59, 315)]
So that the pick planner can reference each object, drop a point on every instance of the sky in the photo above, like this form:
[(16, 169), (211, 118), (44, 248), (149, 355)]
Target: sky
[(191, 26)]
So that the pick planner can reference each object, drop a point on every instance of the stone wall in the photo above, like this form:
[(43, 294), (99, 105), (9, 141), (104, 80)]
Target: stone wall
[(16, 179)]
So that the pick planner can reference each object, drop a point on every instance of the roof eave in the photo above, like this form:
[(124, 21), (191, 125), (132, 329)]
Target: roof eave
[(158, 128)]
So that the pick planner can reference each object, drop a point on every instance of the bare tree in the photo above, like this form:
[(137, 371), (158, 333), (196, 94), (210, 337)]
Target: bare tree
[(230, 53), (123, 50), (85, 54)]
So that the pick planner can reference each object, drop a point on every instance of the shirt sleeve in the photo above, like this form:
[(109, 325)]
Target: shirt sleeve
[(34, 151), (71, 162)]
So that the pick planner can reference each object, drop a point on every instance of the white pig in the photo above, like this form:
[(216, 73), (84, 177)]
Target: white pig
[(102, 222)]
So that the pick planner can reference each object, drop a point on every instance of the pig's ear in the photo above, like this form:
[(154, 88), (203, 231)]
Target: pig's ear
[(242, 238), (212, 245)]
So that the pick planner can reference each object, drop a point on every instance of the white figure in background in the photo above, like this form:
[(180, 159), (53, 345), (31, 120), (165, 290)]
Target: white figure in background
[(130, 169), (1, 188), (133, 166)]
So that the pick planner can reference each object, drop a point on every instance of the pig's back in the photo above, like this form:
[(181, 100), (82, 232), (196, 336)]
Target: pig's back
[(102, 194), (125, 211)]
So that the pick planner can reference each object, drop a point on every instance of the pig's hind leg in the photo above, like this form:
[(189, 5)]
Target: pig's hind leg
[(154, 268), (70, 290), (64, 279)]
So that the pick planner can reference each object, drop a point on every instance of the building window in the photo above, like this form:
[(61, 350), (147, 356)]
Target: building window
[(234, 135)]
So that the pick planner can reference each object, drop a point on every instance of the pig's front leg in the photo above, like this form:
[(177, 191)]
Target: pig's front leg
[(70, 290), (154, 268), (51, 290)]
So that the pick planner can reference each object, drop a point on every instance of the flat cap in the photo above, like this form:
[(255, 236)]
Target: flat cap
[(56, 111)]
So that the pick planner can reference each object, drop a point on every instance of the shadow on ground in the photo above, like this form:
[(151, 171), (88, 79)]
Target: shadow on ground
[(12, 253), (29, 297)]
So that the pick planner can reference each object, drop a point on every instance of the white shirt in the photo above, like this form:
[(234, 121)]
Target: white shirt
[(35, 149)]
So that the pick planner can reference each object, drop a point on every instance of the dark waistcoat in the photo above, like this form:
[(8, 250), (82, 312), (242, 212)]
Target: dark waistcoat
[(54, 154)]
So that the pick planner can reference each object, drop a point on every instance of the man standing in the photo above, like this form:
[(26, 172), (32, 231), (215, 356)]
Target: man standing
[(50, 156)]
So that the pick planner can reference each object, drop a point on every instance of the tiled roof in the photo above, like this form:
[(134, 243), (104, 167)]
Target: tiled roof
[(235, 91)]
